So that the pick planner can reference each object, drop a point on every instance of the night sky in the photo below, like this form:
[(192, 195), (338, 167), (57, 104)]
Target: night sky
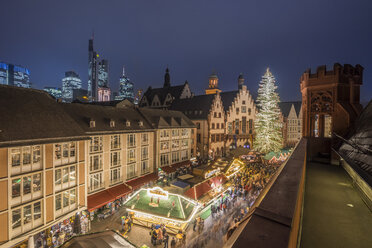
[(192, 37)]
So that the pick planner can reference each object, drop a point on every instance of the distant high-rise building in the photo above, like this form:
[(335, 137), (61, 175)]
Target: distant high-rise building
[(98, 77), (126, 88), (54, 91), (103, 73), (14, 75), (92, 72), (104, 94), (70, 82)]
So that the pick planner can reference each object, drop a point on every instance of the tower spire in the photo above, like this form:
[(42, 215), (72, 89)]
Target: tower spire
[(166, 78), (123, 71)]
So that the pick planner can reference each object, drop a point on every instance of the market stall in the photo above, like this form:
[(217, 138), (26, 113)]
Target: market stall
[(157, 206)]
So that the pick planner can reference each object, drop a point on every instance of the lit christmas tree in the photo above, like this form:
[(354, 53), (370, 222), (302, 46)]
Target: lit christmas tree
[(267, 124)]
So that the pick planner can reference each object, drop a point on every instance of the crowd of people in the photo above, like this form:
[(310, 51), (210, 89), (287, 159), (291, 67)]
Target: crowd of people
[(159, 236), (232, 208)]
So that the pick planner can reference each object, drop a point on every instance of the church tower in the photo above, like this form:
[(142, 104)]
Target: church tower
[(166, 79), (240, 81), (213, 85)]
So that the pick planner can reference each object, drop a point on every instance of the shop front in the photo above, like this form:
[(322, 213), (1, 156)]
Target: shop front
[(59, 233), (105, 203)]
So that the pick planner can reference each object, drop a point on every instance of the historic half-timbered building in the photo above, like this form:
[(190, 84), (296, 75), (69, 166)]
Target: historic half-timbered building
[(240, 109)]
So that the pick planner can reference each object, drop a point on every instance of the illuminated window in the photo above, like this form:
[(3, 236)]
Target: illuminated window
[(115, 141), (131, 140)]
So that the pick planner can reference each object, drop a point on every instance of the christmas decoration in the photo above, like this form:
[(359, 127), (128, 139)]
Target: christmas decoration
[(267, 124)]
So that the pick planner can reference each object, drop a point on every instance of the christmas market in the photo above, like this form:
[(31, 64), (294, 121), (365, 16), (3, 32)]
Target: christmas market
[(155, 205)]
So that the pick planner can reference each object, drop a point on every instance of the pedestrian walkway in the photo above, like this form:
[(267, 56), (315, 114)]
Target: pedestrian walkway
[(334, 215)]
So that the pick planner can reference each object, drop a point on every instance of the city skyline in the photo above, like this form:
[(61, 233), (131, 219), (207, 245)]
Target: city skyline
[(236, 38)]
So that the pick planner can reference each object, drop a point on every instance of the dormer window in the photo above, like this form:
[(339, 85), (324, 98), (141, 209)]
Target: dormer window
[(112, 123), (140, 123), (92, 123), (127, 123)]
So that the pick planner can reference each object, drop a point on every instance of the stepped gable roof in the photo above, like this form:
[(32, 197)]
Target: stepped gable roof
[(285, 107), (228, 98), (160, 118), (356, 149), (162, 93), (103, 115), (196, 107), (29, 116)]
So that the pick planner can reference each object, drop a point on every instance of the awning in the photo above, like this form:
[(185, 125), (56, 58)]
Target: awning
[(172, 168), (119, 190), (199, 190), (99, 199), (139, 182)]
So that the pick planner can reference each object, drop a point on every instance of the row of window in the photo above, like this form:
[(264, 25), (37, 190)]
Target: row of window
[(65, 200), (27, 215), (25, 159), (176, 157), (25, 155), (217, 126), (96, 143), (294, 121), (65, 177), (217, 137), (25, 185), (234, 127), (175, 133), (244, 110), (65, 152), (175, 144), (96, 179)]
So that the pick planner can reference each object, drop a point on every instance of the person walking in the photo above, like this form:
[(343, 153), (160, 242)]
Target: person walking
[(166, 239), (173, 243)]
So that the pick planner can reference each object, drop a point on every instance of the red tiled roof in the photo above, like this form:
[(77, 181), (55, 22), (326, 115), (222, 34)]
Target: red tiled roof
[(205, 187), (190, 193), (139, 182), (119, 190), (99, 199)]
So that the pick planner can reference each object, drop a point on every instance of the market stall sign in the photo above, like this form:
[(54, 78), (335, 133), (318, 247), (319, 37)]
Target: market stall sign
[(158, 192)]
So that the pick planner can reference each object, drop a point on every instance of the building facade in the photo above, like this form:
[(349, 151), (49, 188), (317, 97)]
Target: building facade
[(330, 103), (291, 116), (163, 97), (70, 82), (207, 113), (173, 136), (240, 109), (14, 75), (42, 166)]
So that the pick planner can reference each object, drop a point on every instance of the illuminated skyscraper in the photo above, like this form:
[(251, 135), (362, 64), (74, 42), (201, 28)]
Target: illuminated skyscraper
[(103, 73), (53, 91), (92, 72), (70, 82), (14, 75), (126, 88)]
